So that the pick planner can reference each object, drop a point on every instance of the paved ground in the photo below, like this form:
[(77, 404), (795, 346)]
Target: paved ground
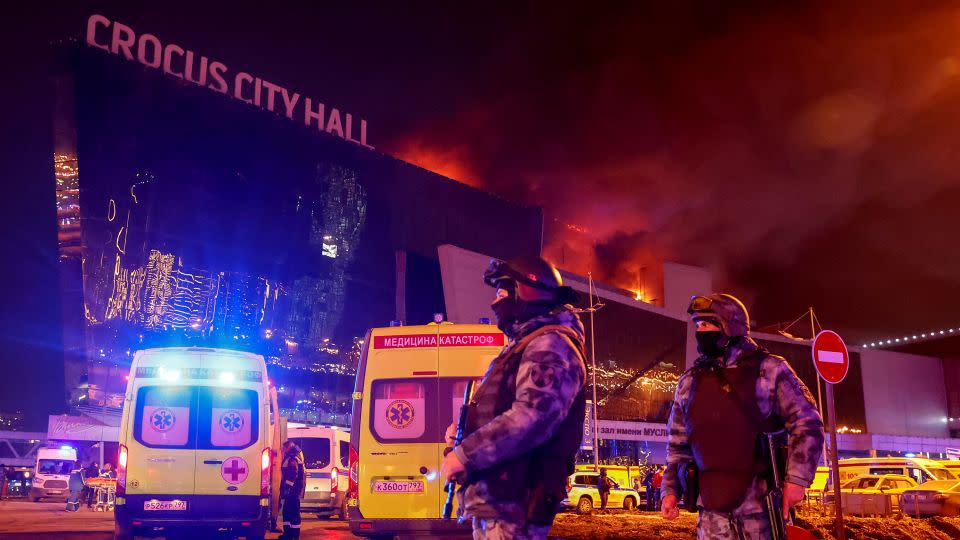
[(22, 520)]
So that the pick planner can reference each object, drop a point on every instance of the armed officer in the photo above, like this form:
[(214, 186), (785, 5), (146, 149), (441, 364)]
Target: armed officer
[(525, 420), (735, 392)]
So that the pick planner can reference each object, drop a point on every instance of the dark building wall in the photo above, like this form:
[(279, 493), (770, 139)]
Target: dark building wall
[(848, 394)]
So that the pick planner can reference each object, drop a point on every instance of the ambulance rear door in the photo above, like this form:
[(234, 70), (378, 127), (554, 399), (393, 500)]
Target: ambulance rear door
[(398, 474), (465, 352), (231, 434)]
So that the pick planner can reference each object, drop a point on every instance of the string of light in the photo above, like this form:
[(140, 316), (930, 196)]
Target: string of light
[(912, 338)]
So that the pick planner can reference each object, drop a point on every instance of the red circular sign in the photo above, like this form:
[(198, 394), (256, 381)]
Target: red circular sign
[(234, 470), (830, 356)]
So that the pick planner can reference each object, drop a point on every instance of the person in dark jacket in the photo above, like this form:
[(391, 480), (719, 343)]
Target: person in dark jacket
[(648, 488), (91, 471), (293, 484), (76, 488), (604, 483)]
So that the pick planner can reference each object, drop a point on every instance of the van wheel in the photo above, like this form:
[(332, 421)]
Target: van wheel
[(629, 503), (585, 505)]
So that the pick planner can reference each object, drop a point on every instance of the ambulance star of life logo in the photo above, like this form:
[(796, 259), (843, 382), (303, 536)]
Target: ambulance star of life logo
[(231, 421), (400, 414), (162, 420)]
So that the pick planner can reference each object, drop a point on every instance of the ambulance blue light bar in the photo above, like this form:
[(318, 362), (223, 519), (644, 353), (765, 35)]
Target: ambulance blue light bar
[(201, 373)]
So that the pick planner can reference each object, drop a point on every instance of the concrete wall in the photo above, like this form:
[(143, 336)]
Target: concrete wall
[(904, 394), (467, 298), (680, 282)]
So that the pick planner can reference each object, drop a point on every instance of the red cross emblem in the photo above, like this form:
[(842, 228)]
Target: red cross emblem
[(234, 470)]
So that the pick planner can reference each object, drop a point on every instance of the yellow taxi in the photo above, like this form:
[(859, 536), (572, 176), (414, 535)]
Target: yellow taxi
[(410, 386), (196, 444)]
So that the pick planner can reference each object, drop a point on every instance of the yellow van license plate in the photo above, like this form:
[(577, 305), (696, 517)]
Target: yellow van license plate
[(398, 487), (164, 505)]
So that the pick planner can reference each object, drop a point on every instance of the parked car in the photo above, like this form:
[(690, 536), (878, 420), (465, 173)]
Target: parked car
[(889, 484), (937, 497), (582, 494)]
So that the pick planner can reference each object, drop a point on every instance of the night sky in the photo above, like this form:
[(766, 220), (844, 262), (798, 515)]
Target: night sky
[(806, 152)]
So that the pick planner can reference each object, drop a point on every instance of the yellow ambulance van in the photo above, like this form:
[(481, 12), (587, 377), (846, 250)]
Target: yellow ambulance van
[(409, 388), (196, 444)]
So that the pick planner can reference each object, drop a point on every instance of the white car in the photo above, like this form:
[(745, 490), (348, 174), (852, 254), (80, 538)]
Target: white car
[(583, 495)]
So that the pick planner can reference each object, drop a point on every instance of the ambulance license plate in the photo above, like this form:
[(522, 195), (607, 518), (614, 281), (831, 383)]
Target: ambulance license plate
[(164, 505), (398, 487)]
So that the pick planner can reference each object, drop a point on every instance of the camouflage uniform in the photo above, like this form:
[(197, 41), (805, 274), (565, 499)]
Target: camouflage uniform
[(550, 375), (779, 392)]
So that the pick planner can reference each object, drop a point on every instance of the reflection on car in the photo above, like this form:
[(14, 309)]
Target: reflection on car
[(937, 497), (887, 484)]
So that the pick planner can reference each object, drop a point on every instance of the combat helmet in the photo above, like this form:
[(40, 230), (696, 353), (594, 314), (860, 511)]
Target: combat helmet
[(725, 310)]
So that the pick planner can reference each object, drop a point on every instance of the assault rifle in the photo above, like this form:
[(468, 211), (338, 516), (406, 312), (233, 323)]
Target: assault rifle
[(451, 486), (780, 528), (774, 498)]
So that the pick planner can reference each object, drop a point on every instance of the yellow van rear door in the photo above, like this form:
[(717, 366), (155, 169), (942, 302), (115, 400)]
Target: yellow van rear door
[(399, 429), (465, 353), (162, 442), (228, 441)]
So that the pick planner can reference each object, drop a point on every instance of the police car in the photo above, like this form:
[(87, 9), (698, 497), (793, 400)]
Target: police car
[(584, 497)]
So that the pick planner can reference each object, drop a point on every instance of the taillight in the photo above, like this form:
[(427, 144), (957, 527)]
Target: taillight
[(265, 473), (334, 483), (122, 471), (569, 485), (354, 461)]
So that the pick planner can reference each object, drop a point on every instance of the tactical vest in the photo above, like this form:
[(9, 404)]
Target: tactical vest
[(725, 431), (540, 474)]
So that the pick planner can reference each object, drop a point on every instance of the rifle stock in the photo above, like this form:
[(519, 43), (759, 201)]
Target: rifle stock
[(774, 499), (451, 486)]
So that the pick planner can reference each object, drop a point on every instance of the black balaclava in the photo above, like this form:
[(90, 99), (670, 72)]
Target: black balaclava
[(512, 310), (712, 344)]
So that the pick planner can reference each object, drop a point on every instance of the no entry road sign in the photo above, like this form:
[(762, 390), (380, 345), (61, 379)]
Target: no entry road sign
[(830, 356)]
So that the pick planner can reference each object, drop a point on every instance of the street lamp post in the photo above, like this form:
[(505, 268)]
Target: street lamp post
[(593, 371)]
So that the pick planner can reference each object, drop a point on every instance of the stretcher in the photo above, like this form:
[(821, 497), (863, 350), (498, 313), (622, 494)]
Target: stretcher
[(104, 493)]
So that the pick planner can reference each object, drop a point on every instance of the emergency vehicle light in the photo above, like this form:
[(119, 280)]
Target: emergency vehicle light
[(396, 322), (66, 448), (484, 320)]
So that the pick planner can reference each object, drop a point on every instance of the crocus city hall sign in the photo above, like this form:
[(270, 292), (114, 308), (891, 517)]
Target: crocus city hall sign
[(176, 61)]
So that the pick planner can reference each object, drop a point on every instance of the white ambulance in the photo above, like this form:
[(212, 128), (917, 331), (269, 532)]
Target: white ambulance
[(410, 386), (326, 453), (52, 474)]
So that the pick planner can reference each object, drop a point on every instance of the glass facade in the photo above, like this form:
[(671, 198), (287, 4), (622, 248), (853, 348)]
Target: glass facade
[(199, 220)]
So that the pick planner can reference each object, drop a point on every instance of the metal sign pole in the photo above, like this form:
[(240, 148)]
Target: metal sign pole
[(834, 466), (593, 372)]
